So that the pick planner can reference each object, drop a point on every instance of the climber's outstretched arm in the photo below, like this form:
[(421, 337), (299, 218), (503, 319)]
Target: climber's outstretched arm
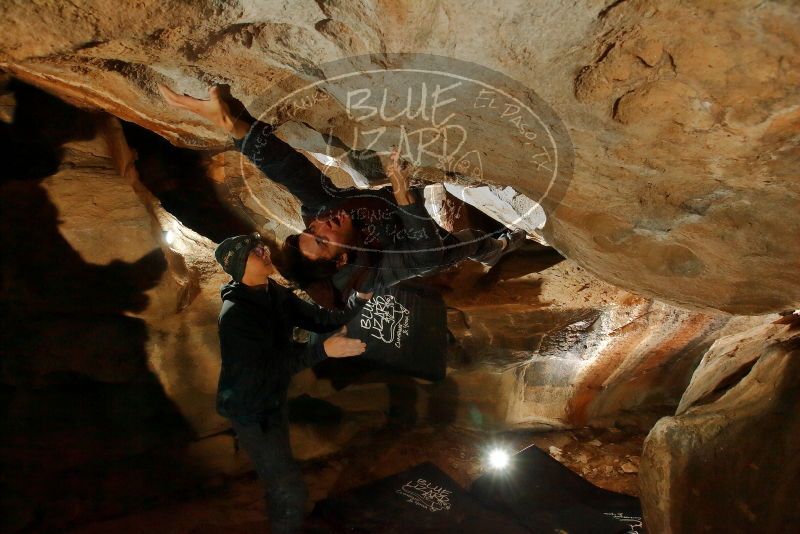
[(275, 158)]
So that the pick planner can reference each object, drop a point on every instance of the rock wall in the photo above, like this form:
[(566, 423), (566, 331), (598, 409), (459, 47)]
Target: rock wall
[(728, 460), (682, 203), (568, 350), (683, 116), (109, 336)]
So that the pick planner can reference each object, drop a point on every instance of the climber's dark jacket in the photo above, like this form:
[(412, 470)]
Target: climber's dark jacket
[(395, 242), (259, 355)]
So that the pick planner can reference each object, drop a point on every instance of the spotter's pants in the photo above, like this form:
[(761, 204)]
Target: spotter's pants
[(267, 445)]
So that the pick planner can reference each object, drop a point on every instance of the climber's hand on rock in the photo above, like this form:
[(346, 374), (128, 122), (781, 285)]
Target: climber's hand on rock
[(217, 109), (398, 175), (339, 346), (214, 109)]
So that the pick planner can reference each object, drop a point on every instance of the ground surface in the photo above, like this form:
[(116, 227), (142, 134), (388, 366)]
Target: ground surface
[(608, 458)]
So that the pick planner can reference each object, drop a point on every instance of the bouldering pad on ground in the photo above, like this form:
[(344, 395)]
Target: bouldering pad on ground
[(422, 499), (545, 496)]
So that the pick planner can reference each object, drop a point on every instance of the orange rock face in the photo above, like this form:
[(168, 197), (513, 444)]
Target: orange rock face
[(731, 439), (683, 118)]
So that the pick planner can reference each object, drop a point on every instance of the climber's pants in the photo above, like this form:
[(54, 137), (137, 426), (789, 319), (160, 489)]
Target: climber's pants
[(469, 244), (267, 445)]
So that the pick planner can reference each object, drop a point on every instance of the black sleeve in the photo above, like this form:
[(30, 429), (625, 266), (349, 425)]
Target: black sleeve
[(284, 165), (304, 355), (241, 341), (418, 248), (317, 319)]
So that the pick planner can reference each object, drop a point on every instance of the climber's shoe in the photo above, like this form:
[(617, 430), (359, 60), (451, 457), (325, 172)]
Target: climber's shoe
[(511, 240)]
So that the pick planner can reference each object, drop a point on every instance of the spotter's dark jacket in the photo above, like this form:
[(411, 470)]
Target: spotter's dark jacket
[(259, 354)]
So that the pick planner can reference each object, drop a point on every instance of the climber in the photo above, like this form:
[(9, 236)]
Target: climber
[(258, 358), (354, 238)]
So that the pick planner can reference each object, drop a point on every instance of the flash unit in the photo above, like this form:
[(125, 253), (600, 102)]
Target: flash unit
[(499, 458)]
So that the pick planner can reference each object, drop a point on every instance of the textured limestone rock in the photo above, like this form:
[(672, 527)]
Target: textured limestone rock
[(271, 208), (108, 339), (511, 208), (683, 117), (565, 349), (727, 462), (685, 126)]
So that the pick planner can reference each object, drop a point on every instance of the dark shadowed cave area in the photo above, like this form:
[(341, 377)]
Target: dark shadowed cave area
[(645, 336), (179, 178)]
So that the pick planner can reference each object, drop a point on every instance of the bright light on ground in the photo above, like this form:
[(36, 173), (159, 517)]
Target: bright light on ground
[(169, 237), (498, 459)]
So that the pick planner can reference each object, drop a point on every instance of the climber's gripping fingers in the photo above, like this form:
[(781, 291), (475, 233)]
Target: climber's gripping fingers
[(215, 109)]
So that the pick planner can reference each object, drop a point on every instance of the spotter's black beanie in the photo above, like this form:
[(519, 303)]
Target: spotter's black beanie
[(232, 254)]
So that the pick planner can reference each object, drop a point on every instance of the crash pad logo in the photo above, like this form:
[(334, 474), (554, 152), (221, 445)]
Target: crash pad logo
[(452, 121), (633, 523), (426, 495), (386, 319)]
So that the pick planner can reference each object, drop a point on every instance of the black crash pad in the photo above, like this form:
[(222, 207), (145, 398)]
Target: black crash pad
[(405, 330), (420, 500), (545, 496)]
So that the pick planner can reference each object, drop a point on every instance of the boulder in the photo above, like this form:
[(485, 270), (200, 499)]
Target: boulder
[(727, 461), (680, 123), (562, 348), (683, 118)]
